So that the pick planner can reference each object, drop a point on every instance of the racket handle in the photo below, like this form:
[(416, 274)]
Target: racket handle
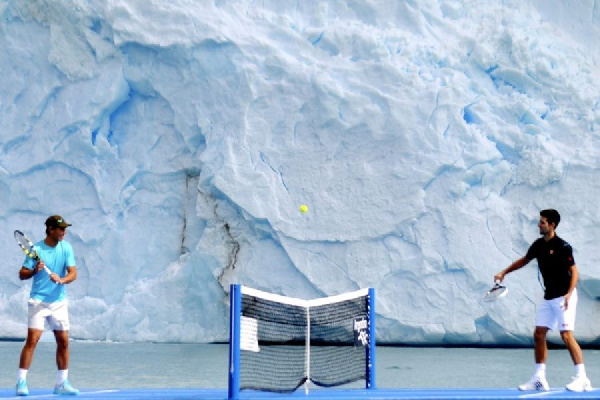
[(48, 271), (45, 267)]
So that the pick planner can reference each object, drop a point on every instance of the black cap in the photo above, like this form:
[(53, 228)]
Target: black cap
[(56, 221)]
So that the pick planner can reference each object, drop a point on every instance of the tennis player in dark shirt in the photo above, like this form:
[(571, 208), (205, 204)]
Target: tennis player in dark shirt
[(558, 308)]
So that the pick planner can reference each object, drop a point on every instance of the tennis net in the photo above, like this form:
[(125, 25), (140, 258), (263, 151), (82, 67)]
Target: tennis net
[(279, 343)]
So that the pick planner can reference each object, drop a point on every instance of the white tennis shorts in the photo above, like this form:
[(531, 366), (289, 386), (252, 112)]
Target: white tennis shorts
[(552, 313), (56, 314)]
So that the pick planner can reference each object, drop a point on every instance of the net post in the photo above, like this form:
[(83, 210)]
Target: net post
[(235, 306), (307, 352), (370, 381)]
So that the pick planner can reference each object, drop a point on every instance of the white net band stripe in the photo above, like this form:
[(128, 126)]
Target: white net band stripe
[(303, 303)]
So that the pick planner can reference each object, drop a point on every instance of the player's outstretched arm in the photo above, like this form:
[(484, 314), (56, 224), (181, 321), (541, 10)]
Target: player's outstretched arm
[(518, 264)]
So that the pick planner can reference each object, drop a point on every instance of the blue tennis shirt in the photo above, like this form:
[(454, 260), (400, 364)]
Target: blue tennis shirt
[(57, 259)]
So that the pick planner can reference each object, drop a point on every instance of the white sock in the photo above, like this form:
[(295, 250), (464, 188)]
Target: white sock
[(22, 374), (62, 376), (540, 370), (580, 370)]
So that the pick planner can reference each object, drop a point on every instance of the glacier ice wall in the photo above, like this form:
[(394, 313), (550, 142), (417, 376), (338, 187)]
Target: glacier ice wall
[(180, 139)]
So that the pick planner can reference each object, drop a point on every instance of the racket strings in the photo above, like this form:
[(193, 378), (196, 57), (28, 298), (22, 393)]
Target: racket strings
[(495, 292), (25, 244)]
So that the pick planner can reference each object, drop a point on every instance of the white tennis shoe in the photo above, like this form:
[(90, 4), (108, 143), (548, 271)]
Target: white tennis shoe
[(580, 384), (65, 389), (535, 383), (22, 388)]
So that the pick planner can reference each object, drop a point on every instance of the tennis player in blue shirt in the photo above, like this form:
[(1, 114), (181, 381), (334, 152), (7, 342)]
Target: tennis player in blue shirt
[(48, 302)]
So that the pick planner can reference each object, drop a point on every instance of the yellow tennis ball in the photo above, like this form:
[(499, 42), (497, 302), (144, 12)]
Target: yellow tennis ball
[(303, 208)]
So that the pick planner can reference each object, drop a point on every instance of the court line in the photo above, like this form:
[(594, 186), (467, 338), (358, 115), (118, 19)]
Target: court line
[(101, 391), (542, 394), (43, 396)]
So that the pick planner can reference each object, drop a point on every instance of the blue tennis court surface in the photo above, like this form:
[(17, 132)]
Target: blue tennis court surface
[(221, 394)]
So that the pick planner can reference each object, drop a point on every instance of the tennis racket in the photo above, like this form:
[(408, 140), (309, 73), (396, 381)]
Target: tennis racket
[(495, 292), (28, 248)]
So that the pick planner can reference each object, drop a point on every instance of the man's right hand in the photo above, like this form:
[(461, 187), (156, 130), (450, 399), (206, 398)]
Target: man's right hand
[(38, 267), (499, 277)]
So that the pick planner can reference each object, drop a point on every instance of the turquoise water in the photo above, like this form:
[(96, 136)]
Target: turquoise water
[(149, 365)]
